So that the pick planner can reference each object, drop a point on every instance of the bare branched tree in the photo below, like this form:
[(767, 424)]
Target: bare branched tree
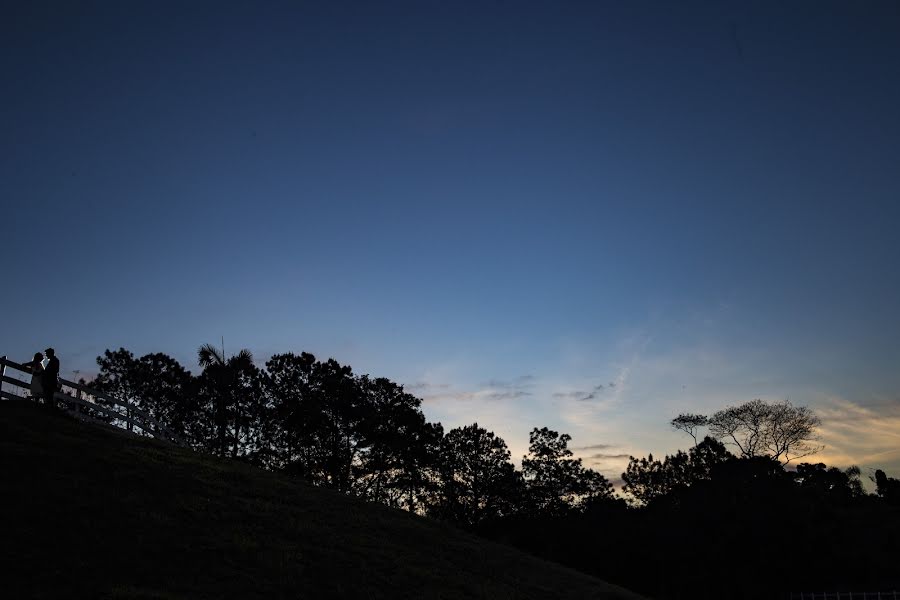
[(781, 430), (690, 424)]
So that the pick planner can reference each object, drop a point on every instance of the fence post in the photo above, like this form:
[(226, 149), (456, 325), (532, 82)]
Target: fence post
[(77, 406), (2, 372)]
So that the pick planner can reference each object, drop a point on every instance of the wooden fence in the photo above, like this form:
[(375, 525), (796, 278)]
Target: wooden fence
[(90, 405)]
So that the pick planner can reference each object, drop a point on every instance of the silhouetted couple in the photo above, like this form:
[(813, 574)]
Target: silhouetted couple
[(44, 380)]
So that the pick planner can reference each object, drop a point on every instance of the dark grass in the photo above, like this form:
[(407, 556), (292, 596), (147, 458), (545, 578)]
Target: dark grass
[(91, 512)]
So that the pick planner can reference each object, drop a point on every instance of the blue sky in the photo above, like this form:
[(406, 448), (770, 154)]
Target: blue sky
[(503, 205)]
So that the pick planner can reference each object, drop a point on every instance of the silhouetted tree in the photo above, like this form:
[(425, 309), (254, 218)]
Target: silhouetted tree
[(420, 460), (689, 423), (119, 377), (336, 393), (361, 435), (831, 483), (647, 479), (556, 482), (704, 457), (887, 487), (475, 478), (298, 417), (166, 392), (779, 430), (155, 382), (394, 439), (252, 416), (230, 390)]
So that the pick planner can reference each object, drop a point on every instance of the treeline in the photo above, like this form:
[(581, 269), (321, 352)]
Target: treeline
[(724, 519), (710, 524), (321, 422), (715, 526)]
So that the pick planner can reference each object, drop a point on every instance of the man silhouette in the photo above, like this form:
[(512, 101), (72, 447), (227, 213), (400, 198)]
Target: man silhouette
[(49, 377)]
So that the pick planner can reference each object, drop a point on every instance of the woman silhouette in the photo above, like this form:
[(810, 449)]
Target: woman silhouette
[(36, 367)]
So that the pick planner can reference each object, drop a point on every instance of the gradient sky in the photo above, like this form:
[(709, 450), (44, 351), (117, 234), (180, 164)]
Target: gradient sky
[(583, 215)]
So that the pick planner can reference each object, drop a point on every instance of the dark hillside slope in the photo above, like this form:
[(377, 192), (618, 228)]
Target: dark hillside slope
[(90, 512)]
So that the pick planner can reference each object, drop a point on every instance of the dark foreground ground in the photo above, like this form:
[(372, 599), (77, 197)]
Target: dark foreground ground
[(93, 513)]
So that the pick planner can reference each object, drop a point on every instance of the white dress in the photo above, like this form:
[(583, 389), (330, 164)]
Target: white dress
[(37, 390)]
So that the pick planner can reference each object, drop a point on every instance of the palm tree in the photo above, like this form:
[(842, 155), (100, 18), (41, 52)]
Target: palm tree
[(225, 374)]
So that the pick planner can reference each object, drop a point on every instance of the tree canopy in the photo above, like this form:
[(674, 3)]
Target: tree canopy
[(778, 430), (555, 481)]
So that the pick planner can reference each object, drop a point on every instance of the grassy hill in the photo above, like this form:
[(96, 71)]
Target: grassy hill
[(90, 512)]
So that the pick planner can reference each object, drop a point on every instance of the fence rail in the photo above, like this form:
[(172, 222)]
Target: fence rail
[(81, 402)]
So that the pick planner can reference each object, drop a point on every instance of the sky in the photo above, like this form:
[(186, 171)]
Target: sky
[(588, 216)]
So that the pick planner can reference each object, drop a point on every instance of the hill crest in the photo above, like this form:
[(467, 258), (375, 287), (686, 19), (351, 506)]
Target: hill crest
[(101, 513)]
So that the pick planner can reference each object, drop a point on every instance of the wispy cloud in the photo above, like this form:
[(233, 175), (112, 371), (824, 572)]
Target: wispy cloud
[(424, 386), (582, 395), (491, 390), (605, 457), (593, 447), (611, 464), (608, 393), (868, 436), (508, 390), (570, 395), (507, 394)]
